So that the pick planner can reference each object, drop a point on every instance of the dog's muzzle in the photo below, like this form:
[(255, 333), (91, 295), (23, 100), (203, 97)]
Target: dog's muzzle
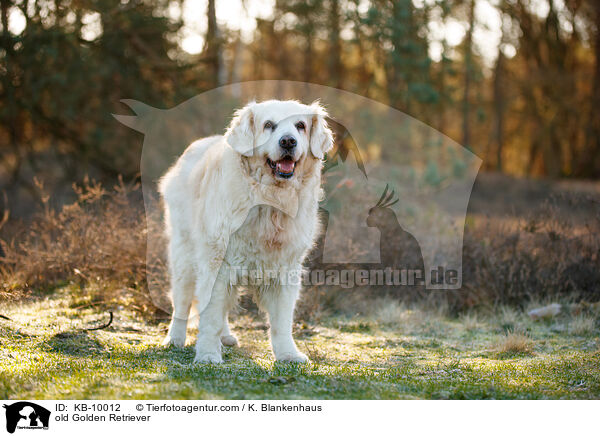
[(284, 167)]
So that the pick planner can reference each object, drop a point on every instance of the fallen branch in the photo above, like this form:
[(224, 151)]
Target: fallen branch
[(104, 325)]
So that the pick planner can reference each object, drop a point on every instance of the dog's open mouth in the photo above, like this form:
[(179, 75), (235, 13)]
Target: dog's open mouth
[(283, 168)]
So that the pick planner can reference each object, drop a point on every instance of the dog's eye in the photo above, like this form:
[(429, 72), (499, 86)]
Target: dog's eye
[(269, 125), (300, 126)]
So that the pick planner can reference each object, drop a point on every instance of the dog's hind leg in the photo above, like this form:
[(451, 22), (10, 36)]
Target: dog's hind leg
[(226, 337), (182, 294)]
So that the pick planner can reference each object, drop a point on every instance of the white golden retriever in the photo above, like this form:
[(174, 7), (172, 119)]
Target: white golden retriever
[(244, 204)]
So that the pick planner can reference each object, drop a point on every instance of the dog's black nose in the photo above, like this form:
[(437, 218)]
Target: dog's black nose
[(287, 142)]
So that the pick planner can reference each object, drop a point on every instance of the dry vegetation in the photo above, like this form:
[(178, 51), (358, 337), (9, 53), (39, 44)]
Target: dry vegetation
[(98, 243), (545, 256), (514, 344)]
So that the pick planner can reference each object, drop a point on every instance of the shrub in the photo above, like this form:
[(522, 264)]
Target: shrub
[(546, 257), (98, 243)]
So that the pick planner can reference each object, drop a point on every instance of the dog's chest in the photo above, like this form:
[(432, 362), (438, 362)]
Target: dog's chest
[(268, 237)]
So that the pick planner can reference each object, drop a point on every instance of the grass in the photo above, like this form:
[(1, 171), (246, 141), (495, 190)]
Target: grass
[(399, 353), (515, 344)]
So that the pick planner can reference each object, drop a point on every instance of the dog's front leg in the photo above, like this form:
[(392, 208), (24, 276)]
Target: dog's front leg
[(210, 326), (279, 304)]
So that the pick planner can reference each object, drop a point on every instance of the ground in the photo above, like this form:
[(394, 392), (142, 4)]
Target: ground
[(396, 354)]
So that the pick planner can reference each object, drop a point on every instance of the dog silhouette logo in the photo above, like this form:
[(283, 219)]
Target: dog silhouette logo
[(26, 415)]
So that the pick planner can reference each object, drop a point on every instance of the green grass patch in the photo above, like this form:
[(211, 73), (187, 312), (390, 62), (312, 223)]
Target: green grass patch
[(45, 353)]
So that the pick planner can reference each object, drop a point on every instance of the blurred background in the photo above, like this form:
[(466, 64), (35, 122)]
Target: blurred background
[(516, 81)]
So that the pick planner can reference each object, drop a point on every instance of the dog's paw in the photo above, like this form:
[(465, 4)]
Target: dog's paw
[(175, 340), (229, 340), (296, 357), (208, 358)]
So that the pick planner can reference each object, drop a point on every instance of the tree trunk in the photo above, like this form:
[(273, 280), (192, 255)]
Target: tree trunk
[(308, 57), (398, 75), (499, 108), (213, 48), (444, 73), (12, 113), (335, 54), (468, 67)]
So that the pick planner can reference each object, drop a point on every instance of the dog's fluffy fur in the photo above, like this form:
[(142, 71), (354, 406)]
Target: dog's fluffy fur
[(243, 202)]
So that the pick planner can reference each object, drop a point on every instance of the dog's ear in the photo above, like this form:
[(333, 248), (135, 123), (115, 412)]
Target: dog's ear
[(240, 133), (321, 137)]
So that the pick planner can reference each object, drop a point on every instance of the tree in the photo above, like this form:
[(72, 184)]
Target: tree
[(308, 19), (589, 162), (468, 58), (335, 52), (445, 72), (59, 87), (499, 92), (213, 48), (396, 26)]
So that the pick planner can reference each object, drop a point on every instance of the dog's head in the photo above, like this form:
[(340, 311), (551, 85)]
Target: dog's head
[(279, 137)]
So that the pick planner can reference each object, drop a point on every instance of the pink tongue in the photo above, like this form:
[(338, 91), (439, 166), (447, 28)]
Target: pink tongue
[(285, 166)]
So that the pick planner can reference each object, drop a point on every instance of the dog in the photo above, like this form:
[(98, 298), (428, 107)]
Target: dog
[(242, 204)]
